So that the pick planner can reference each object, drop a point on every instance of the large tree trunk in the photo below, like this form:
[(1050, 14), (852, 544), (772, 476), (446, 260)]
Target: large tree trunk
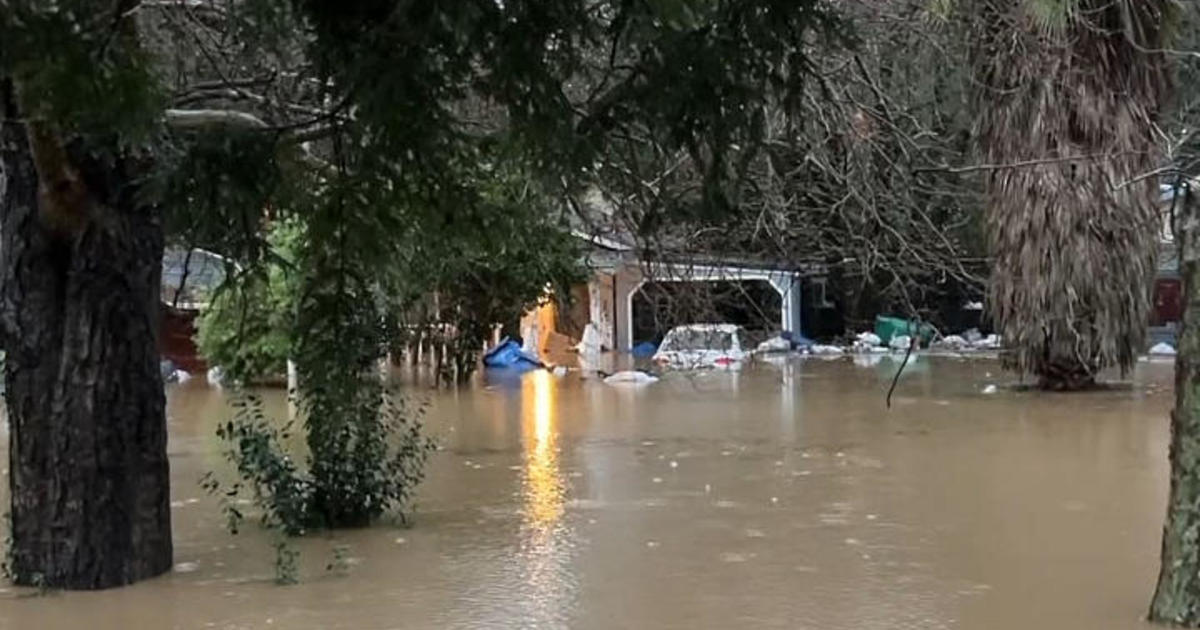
[(1177, 597), (78, 313)]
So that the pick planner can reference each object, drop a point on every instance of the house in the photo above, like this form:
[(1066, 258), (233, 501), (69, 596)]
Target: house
[(188, 280), (622, 300), (1167, 304), (620, 276)]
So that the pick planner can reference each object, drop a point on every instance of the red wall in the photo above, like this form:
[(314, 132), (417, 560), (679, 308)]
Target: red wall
[(1168, 301), (176, 339)]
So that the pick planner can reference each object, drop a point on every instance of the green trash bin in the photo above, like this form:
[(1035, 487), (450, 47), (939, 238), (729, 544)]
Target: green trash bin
[(888, 327)]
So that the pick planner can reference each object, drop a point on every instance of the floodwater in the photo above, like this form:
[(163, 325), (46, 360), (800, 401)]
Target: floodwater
[(786, 496)]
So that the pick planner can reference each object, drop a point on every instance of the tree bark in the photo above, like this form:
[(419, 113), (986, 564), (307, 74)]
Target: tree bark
[(1177, 596), (1065, 375), (79, 306)]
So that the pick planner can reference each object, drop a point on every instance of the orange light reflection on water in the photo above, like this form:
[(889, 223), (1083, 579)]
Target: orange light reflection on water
[(543, 477)]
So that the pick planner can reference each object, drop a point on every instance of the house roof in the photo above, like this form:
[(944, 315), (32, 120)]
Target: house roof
[(190, 276), (612, 244), (721, 328)]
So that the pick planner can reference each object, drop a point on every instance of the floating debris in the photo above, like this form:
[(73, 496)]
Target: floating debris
[(630, 377), (1163, 349)]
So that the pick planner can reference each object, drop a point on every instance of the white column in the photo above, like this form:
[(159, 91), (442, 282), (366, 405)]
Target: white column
[(628, 281), (787, 285)]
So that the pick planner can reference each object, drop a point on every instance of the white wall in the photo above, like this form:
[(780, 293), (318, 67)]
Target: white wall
[(601, 305)]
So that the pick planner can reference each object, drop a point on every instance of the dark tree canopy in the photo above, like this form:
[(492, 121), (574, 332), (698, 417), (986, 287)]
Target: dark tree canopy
[(398, 134)]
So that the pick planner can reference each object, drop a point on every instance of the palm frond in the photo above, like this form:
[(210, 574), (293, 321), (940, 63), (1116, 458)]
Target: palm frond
[(1052, 16), (1074, 250)]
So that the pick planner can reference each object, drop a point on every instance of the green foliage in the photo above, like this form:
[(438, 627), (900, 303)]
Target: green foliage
[(287, 570), (82, 69), (422, 148), (384, 460), (491, 267), (216, 188), (259, 451), (248, 327), (366, 455), (574, 83), (340, 563)]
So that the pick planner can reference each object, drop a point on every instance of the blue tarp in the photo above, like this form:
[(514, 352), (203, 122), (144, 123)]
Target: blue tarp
[(644, 349), (508, 353)]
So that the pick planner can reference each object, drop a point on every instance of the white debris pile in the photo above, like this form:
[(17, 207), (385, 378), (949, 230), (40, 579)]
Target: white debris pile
[(630, 377), (775, 344), (866, 341), (869, 360), (870, 338), (1163, 349), (900, 342), (952, 342), (215, 375), (827, 350), (990, 342)]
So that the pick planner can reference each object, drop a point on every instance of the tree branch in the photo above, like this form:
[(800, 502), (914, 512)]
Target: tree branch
[(202, 118), (190, 5), (1021, 164), (234, 93), (199, 119), (62, 195), (209, 118)]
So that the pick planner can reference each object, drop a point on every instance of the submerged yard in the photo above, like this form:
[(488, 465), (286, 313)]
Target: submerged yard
[(783, 496)]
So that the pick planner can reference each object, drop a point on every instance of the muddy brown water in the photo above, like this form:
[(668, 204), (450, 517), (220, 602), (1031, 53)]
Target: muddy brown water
[(785, 496)]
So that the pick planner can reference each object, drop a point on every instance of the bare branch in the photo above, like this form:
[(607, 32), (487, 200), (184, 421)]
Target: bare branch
[(1020, 164), (202, 118), (194, 119), (189, 5)]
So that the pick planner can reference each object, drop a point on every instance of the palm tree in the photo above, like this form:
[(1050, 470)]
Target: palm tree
[(1068, 95)]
